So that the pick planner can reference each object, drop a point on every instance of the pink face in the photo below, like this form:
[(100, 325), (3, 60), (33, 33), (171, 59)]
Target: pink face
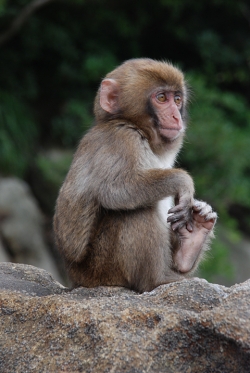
[(167, 105)]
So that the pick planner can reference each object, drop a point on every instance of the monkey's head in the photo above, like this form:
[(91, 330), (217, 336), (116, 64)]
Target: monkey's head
[(152, 95)]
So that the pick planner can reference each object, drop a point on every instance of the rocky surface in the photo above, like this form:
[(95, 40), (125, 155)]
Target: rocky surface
[(189, 326)]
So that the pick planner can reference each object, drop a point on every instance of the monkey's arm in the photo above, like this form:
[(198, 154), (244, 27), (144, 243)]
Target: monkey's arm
[(136, 188)]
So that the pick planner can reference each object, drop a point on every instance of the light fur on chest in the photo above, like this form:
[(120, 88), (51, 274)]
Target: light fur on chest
[(164, 162)]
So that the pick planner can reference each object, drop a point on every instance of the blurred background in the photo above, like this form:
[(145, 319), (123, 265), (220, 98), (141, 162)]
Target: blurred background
[(52, 57)]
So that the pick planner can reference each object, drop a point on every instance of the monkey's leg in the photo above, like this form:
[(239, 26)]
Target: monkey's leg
[(193, 237)]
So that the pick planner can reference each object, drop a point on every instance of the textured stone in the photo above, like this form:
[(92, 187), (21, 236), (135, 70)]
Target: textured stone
[(21, 227), (189, 326)]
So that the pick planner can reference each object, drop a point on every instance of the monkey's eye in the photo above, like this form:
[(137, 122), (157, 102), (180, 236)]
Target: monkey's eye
[(178, 99), (161, 97)]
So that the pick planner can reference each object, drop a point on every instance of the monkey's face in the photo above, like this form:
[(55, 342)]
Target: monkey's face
[(167, 105), (150, 94)]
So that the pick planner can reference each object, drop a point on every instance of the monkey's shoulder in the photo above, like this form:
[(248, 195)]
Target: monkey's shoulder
[(111, 138)]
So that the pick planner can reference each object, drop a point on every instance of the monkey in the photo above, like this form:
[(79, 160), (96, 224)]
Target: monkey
[(124, 215)]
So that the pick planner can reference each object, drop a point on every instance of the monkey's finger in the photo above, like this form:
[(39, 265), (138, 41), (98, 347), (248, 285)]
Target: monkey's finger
[(177, 208), (189, 227), (179, 216), (177, 225)]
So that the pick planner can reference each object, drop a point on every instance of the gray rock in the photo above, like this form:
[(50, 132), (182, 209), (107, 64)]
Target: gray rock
[(189, 326), (22, 226), (29, 280), (3, 253)]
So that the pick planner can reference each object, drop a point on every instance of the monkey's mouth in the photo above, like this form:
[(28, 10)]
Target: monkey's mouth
[(170, 133)]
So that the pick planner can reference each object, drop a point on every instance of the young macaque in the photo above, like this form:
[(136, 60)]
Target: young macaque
[(124, 216)]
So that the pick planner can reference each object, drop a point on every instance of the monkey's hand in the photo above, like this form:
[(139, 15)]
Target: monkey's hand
[(193, 236), (181, 213)]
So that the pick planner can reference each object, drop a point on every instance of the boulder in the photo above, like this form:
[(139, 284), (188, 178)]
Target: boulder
[(21, 227), (188, 326)]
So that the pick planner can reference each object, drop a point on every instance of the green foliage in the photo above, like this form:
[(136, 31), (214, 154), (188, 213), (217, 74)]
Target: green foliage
[(218, 134), (96, 66), (74, 120), (17, 135), (51, 168), (217, 263), (54, 166), (2, 6), (216, 153)]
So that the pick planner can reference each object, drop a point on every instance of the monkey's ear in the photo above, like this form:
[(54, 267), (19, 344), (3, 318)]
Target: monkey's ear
[(109, 95)]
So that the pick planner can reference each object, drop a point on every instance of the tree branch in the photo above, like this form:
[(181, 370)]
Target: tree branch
[(22, 17)]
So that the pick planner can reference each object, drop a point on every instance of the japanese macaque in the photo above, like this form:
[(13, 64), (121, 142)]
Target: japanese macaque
[(124, 216)]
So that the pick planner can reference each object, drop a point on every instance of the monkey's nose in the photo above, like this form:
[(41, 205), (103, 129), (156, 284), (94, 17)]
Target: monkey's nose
[(176, 119)]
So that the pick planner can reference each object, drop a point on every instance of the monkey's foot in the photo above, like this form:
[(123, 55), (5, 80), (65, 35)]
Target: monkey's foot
[(193, 236)]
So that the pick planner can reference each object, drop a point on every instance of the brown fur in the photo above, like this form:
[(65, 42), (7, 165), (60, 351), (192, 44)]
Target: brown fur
[(107, 222)]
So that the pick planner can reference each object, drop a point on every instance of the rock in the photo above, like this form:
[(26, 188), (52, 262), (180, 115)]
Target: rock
[(28, 279), (3, 253), (189, 326), (22, 226), (240, 257)]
